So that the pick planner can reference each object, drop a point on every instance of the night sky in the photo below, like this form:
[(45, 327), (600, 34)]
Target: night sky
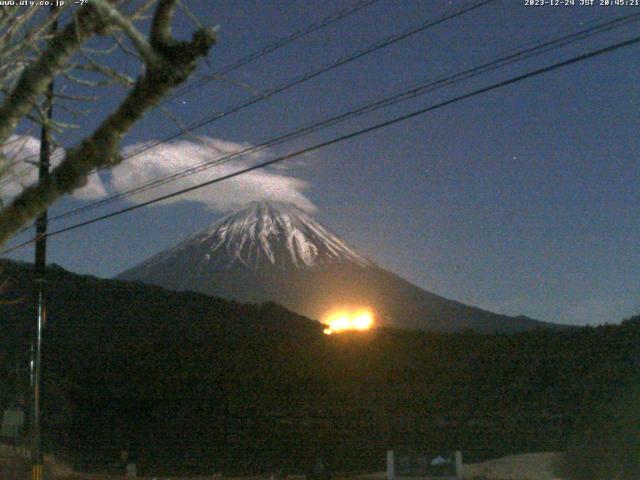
[(521, 201)]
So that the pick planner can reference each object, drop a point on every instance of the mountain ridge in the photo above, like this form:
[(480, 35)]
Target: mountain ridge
[(272, 251), (246, 387), (248, 239)]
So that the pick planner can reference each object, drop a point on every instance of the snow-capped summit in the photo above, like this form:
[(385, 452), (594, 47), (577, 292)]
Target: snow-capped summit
[(262, 235), (276, 251), (275, 233)]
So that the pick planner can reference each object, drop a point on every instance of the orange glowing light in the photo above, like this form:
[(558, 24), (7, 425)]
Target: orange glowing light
[(344, 320)]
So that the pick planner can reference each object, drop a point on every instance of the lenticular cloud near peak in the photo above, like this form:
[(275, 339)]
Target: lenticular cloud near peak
[(167, 159)]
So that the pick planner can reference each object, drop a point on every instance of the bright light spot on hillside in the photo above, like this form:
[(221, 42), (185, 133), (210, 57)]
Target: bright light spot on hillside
[(345, 320)]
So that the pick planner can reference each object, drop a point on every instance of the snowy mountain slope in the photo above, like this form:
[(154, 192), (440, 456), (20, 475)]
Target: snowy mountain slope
[(275, 251), (261, 235)]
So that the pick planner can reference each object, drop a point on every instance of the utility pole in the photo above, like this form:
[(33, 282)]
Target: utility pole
[(37, 470)]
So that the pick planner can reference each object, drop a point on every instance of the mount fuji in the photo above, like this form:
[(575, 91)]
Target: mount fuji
[(272, 251)]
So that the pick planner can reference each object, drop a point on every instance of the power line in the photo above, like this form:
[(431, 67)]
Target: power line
[(312, 74), (272, 47), (275, 46), (369, 107), (309, 76), (348, 136), (389, 40)]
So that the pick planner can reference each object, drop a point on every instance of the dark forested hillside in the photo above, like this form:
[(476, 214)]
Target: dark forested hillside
[(186, 382)]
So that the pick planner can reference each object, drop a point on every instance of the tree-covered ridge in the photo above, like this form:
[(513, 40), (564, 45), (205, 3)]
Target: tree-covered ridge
[(187, 382)]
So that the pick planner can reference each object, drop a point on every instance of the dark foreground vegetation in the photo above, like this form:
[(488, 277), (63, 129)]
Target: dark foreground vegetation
[(192, 384)]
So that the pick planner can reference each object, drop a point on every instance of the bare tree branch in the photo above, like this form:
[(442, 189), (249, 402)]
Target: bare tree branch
[(125, 49), (171, 64), (109, 73), (112, 15), (36, 77), (161, 25)]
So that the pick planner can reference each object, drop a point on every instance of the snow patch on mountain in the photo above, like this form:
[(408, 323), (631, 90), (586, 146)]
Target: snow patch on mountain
[(263, 234)]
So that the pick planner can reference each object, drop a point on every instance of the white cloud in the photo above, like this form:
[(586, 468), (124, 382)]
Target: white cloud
[(167, 159), (163, 160), (22, 152), (18, 152)]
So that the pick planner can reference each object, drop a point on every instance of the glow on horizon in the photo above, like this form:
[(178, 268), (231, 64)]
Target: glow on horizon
[(348, 320)]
